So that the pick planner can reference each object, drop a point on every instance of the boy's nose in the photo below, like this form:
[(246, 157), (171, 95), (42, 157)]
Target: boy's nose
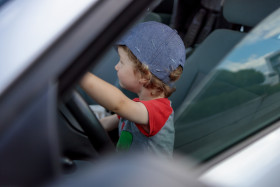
[(117, 67)]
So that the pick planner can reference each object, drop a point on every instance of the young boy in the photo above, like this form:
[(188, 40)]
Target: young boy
[(152, 57)]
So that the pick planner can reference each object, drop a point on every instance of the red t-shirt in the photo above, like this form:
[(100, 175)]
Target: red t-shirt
[(159, 111)]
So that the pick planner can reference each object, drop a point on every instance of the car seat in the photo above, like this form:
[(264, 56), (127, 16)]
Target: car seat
[(218, 43)]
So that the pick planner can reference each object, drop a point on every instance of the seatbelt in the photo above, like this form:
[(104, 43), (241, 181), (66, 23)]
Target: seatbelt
[(208, 27), (194, 28)]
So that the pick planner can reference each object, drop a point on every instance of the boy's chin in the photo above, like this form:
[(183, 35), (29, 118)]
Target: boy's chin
[(124, 88), (121, 85)]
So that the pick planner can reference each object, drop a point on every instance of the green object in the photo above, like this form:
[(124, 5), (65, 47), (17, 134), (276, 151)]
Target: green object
[(125, 141)]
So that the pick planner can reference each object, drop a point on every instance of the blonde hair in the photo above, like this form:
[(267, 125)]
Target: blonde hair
[(154, 82)]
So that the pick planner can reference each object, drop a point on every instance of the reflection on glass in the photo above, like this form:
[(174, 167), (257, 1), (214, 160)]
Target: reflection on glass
[(273, 62), (240, 97)]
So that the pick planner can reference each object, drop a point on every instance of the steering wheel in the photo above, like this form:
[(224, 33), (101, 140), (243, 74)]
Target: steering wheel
[(96, 134)]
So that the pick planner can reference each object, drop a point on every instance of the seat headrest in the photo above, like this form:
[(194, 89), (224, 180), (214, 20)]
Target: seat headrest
[(248, 12)]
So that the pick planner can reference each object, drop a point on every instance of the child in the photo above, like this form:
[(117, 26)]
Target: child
[(152, 57)]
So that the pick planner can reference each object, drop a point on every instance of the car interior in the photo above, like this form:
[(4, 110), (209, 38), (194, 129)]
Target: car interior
[(210, 29), (213, 28)]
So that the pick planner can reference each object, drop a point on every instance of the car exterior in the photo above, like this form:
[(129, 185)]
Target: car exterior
[(39, 42), (228, 125)]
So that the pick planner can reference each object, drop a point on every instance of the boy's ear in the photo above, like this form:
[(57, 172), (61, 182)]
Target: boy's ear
[(145, 78)]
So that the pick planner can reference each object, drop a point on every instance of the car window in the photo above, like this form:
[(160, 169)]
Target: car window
[(30, 34), (239, 97)]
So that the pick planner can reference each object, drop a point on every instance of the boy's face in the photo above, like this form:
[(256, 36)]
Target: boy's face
[(128, 78)]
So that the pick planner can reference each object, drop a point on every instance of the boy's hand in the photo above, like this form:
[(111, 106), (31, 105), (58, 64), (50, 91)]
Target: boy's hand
[(110, 122)]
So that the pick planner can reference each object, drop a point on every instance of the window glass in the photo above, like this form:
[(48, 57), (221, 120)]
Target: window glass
[(239, 98)]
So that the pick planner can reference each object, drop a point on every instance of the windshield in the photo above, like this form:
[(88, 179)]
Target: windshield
[(238, 98)]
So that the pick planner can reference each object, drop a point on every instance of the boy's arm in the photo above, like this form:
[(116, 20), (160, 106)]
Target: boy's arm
[(114, 100), (110, 122)]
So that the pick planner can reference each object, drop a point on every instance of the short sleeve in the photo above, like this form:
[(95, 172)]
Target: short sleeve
[(159, 111)]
